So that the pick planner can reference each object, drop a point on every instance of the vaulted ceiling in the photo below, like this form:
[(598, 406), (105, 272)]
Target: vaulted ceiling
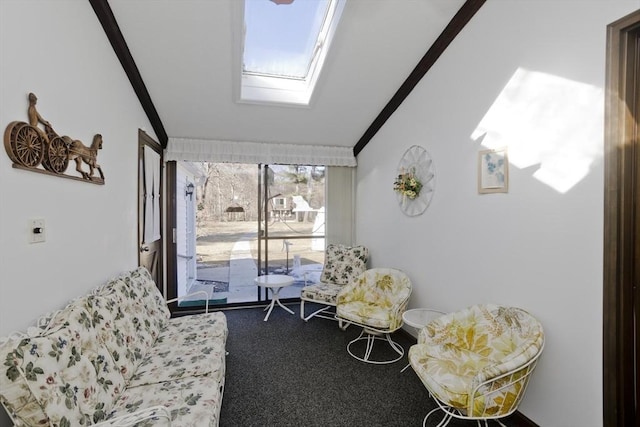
[(183, 57)]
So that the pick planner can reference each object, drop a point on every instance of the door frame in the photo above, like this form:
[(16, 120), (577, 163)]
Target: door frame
[(144, 140), (171, 224), (171, 174), (621, 224)]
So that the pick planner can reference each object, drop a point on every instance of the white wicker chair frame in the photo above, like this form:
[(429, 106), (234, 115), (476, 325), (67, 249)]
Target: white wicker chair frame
[(322, 313), (328, 311), (520, 374), (372, 334)]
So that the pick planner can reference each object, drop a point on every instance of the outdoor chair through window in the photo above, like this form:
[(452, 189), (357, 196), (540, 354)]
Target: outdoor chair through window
[(342, 265), (375, 302), (476, 362)]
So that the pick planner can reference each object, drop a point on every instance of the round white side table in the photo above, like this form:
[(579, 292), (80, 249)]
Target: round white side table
[(275, 282), (419, 318)]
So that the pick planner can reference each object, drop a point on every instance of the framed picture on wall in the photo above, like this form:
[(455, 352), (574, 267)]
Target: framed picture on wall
[(493, 171)]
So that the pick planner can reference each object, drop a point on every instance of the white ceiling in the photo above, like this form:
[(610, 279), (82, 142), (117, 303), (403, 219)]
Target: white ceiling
[(187, 52)]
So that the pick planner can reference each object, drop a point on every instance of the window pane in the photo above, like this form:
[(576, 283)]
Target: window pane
[(222, 231), (281, 40)]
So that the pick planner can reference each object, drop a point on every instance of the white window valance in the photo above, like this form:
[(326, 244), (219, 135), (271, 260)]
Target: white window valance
[(201, 150)]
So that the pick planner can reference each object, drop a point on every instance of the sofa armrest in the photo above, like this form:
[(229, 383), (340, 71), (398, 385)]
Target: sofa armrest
[(154, 413), (206, 299)]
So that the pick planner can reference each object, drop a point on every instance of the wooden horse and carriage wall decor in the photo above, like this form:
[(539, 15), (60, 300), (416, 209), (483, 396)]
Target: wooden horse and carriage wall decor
[(29, 147)]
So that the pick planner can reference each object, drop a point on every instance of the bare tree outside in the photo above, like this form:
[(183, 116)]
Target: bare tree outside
[(227, 213), (225, 186)]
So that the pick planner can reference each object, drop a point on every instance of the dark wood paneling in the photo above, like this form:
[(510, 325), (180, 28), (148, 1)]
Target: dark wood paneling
[(457, 23), (171, 220), (112, 30), (621, 228)]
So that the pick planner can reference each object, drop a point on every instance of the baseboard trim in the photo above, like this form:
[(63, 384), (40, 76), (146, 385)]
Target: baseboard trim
[(517, 419), (520, 420)]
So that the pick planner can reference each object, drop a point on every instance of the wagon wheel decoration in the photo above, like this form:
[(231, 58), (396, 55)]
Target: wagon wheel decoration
[(41, 150), (56, 155), (23, 144)]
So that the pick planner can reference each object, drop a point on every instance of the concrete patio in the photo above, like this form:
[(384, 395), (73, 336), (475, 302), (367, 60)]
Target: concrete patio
[(241, 273)]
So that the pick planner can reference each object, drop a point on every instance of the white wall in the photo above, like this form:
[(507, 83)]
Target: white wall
[(58, 50), (538, 247)]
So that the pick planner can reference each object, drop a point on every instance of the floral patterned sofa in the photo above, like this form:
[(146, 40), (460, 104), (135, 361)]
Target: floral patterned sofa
[(476, 362), (115, 357)]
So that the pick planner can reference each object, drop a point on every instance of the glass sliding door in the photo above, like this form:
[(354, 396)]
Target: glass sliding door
[(291, 224), (237, 221), (227, 232)]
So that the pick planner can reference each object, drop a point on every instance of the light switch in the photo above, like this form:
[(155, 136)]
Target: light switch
[(37, 232)]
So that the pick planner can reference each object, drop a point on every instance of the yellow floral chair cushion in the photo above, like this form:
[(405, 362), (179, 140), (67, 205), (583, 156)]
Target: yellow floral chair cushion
[(376, 299), (478, 360)]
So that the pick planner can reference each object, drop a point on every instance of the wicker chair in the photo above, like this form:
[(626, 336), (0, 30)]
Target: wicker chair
[(476, 363), (342, 265), (375, 302)]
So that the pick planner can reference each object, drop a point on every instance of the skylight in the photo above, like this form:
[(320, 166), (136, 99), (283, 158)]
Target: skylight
[(284, 48)]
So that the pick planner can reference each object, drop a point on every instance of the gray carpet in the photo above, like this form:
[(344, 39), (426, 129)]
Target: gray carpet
[(286, 372)]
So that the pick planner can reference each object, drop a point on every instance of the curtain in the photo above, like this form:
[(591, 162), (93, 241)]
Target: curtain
[(199, 150), (340, 194)]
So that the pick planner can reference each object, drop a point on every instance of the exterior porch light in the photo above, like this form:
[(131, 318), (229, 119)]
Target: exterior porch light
[(188, 190)]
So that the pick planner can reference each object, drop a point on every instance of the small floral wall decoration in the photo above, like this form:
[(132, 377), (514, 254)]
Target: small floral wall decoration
[(415, 181), (408, 184)]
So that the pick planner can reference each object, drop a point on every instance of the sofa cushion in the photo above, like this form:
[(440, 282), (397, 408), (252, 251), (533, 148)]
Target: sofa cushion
[(193, 401), (149, 295), (196, 328), (14, 388), (15, 394), (128, 313), (188, 346), (68, 371), (113, 316)]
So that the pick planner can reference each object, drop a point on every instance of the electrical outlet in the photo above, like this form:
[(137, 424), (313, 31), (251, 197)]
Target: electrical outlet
[(37, 231)]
